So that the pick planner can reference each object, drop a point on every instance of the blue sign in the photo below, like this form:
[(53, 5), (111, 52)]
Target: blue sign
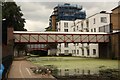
[(1, 70)]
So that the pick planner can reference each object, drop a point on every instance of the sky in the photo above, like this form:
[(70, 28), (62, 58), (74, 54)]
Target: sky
[(37, 13)]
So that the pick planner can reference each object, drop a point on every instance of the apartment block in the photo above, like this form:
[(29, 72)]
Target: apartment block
[(66, 11), (99, 22)]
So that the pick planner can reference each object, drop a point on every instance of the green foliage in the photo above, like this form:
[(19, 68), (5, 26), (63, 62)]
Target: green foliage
[(77, 62), (13, 16), (111, 73)]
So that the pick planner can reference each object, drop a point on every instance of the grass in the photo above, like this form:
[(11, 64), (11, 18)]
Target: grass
[(75, 62)]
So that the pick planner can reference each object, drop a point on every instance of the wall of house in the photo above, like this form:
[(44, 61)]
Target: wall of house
[(115, 18), (95, 22), (76, 49), (116, 45), (115, 38), (64, 26), (95, 25), (91, 24)]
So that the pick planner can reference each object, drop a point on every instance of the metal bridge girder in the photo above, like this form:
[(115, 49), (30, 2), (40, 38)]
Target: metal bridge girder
[(60, 37)]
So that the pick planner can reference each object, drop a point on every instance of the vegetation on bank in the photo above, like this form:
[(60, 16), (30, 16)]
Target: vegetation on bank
[(77, 68), (75, 62)]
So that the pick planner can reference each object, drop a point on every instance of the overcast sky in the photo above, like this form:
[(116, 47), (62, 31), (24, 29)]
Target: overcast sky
[(37, 13)]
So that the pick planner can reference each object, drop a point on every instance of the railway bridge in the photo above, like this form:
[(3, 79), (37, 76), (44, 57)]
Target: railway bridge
[(60, 37), (28, 37), (38, 38)]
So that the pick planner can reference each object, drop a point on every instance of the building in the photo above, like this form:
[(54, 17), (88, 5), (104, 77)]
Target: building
[(64, 48), (64, 12), (99, 22), (115, 39), (67, 12)]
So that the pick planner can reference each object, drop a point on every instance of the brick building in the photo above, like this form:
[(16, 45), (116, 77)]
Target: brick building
[(115, 39)]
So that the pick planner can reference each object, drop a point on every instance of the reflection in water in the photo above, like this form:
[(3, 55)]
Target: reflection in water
[(101, 74), (67, 72), (60, 74)]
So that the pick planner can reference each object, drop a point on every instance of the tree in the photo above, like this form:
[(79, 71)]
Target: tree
[(12, 17)]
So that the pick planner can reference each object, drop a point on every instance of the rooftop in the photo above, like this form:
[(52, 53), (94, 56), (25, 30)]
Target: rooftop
[(69, 5), (116, 7)]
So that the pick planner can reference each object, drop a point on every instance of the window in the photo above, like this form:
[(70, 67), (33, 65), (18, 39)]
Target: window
[(59, 23), (74, 51), (94, 30), (94, 21), (66, 13), (94, 51), (91, 30), (66, 51), (74, 29), (66, 44), (83, 52), (88, 52), (87, 24), (77, 51), (103, 19), (65, 24), (77, 27), (65, 30), (56, 24), (82, 25)]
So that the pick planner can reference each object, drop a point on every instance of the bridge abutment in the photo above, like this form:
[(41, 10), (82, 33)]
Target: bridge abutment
[(104, 50)]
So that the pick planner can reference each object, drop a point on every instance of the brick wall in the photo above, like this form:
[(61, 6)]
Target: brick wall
[(116, 45), (115, 38), (7, 49), (115, 18)]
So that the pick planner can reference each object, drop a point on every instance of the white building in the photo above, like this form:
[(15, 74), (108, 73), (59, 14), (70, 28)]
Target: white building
[(98, 22), (64, 48)]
